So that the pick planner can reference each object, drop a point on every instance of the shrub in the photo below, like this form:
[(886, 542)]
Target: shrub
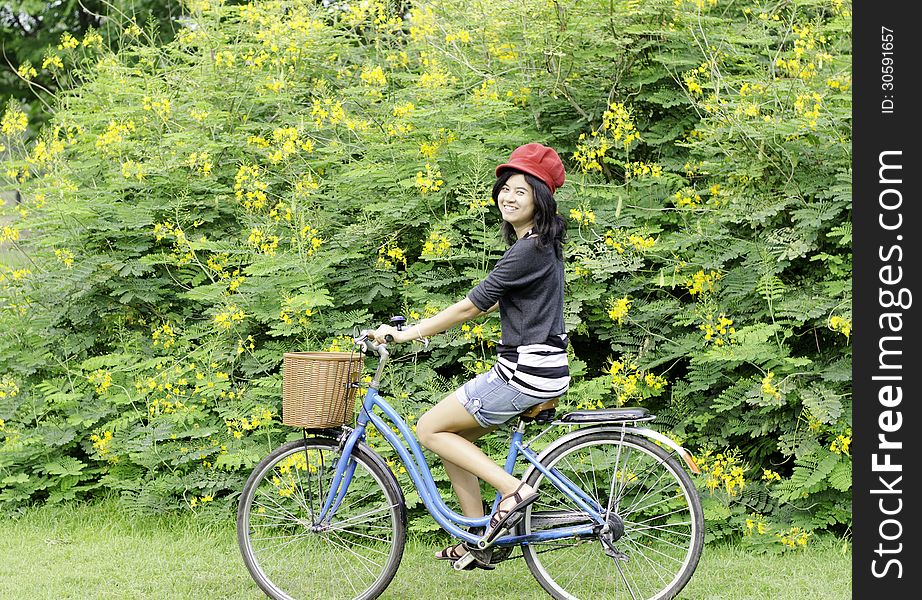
[(283, 173)]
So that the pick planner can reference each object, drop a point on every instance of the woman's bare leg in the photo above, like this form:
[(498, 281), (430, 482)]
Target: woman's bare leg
[(465, 484), (441, 430)]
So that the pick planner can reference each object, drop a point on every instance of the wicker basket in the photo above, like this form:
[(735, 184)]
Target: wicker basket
[(316, 390)]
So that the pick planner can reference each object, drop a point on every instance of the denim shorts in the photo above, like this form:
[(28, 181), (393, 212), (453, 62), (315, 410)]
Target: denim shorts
[(492, 401)]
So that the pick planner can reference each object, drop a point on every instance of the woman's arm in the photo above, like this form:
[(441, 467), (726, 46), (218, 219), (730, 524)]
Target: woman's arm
[(459, 312)]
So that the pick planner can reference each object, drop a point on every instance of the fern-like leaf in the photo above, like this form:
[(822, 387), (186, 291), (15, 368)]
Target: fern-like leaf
[(822, 403), (771, 288), (840, 477)]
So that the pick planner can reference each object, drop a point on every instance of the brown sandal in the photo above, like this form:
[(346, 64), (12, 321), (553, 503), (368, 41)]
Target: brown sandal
[(501, 519), (452, 553), (456, 552)]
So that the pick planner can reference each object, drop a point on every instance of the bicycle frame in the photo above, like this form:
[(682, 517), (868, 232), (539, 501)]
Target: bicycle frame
[(411, 455)]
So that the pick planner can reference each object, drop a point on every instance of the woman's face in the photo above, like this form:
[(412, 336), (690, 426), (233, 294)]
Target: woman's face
[(516, 202)]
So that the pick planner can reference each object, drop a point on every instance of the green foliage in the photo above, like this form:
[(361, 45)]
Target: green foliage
[(31, 30), (274, 178)]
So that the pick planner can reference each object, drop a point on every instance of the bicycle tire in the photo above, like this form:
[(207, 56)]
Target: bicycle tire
[(654, 499), (291, 555)]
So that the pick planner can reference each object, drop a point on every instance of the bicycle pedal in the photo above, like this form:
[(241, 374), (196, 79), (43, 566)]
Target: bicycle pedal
[(463, 562), (475, 558), (511, 524)]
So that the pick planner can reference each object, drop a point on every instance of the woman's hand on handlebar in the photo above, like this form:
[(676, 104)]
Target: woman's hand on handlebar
[(388, 334)]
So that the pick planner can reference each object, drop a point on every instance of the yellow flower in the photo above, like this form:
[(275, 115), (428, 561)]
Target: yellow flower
[(14, 122), (249, 188), (841, 444), (768, 389), (68, 42), (793, 538), (642, 169), (373, 77), (582, 215), (27, 71), (702, 282), (160, 106), (618, 309), (92, 38), (842, 325), (224, 57), (402, 110), (8, 388), (102, 380), (430, 182), (114, 134), (724, 471), (462, 35), (8, 234), (768, 475), (436, 246), (687, 197), (641, 243), (226, 318)]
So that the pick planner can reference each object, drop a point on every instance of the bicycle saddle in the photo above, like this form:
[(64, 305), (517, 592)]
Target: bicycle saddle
[(607, 415), (541, 413)]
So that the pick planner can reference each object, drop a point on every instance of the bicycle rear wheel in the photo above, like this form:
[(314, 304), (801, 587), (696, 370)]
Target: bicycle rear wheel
[(291, 553), (650, 496)]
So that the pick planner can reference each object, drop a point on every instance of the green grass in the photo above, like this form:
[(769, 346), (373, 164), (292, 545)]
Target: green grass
[(99, 551)]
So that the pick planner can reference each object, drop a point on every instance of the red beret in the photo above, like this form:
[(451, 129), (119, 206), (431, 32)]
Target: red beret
[(540, 161)]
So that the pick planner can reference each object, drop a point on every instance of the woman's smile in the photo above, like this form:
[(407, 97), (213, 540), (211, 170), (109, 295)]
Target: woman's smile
[(516, 202)]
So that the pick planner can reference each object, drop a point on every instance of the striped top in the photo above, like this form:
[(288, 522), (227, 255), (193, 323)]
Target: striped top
[(528, 284), (539, 370)]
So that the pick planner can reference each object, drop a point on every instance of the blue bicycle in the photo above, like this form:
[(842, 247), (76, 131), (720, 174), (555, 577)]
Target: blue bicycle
[(618, 515)]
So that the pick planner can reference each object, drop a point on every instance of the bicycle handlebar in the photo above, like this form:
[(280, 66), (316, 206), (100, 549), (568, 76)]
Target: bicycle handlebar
[(368, 345)]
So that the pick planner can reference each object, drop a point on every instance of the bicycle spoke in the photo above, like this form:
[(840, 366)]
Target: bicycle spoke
[(341, 551), (647, 507), (631, 508), (353, 519), (615, 495), (278, 505), (307, 503), (627, 583), (678, 510), (642, 548), (364, 561), (276, 548), (661, 528), (362, 535), (660, 540)]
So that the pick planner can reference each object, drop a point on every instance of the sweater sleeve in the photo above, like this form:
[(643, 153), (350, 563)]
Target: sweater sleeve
[(517, 268)]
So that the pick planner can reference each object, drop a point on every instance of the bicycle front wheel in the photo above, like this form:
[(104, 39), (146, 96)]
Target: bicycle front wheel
[(654, 514), (292, 553)]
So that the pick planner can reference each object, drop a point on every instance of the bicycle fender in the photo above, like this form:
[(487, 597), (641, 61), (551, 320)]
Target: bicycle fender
[(638, 431), (659, 437)]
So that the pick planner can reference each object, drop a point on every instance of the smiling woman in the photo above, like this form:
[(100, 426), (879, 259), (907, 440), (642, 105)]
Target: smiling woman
[(516, 203), (527, 286)]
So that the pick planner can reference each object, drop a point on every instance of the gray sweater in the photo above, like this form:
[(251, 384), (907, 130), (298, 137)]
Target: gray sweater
[(528, 283)]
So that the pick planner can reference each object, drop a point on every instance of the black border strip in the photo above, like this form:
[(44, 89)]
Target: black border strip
[(886, 369)]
